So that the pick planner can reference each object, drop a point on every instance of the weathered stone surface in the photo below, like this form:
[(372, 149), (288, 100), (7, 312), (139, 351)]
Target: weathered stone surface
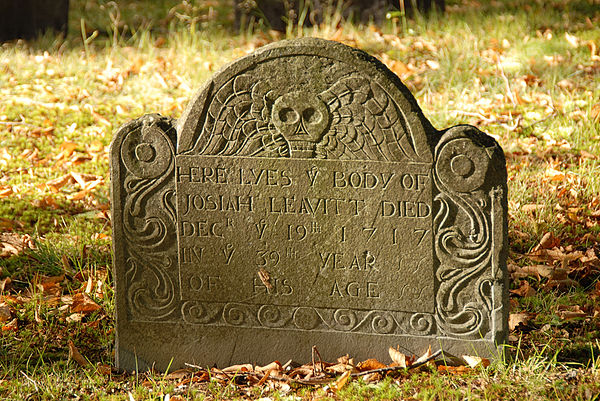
[(303, 199)]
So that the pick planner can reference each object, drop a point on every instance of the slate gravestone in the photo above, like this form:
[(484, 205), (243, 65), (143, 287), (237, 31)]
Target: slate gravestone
[(303, 199)]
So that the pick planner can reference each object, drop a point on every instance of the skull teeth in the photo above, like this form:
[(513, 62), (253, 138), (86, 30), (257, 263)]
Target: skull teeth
[(302, 145)]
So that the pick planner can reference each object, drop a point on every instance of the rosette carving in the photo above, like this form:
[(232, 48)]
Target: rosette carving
[(421, 323)]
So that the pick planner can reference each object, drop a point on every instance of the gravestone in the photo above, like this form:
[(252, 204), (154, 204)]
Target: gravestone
[(303, 199)]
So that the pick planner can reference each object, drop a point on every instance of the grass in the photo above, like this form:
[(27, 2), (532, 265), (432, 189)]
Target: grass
[(524, 72)]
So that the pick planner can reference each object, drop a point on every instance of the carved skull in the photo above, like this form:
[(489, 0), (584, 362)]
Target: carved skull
[(302, 119)]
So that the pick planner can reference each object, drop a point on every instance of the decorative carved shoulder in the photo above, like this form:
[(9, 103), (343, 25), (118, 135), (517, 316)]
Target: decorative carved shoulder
[(143, 193), (470, 230)]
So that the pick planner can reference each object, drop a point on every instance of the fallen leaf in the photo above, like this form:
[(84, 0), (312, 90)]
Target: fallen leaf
[(346, 360), (84, 304), (11, 326), (568, 312), (265, 278), (75, 355), (565, 84), (554, 175), (370, 364), (525, 290), (5, 312), (532, 208), (104, 369), (593, 50), (89, 285), (49, 285), (98, 117), (595, 112), (548, 241), (5, 283), (372, 377), (434, 65), (74, 317), (272, 366), (5, 191), (56, 184), (13, 244), (474, 361), (456, 370), (516, 319), (397, 357), (572, 39), (96, 146), (79, 159), (341, 381), (562, 283), (67, 149), (541, 271), (46, 202), (424, 357), (239, 368), (264, 378), (340, 368)]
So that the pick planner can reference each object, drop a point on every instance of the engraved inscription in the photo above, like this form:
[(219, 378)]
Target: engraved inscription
[(315, 230)]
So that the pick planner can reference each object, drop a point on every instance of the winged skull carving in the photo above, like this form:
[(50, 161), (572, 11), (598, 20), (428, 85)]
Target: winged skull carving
[(352, 119)]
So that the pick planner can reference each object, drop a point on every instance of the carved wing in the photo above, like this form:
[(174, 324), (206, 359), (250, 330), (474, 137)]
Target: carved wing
[(366, 123), (237, 121)]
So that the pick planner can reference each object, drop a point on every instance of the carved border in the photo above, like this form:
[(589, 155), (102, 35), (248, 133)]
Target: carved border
[(239, 314)]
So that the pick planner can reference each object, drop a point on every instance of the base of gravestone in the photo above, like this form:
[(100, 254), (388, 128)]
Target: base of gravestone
[(27, 18)]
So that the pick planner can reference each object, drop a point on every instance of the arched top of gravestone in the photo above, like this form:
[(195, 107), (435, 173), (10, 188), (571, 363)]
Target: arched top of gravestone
[(306, 98)]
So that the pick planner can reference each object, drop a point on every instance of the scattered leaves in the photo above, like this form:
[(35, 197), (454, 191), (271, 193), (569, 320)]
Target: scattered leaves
[(12, 244)]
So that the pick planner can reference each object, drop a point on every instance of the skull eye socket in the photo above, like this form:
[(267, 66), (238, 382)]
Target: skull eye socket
[(287, 115), (311, 115)]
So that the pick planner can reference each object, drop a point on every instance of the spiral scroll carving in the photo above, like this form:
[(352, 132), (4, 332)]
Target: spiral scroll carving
[(236, 314), (383, 323), (239, 314), (148, 218), (464, 232), (273, 316), (344, 319)]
